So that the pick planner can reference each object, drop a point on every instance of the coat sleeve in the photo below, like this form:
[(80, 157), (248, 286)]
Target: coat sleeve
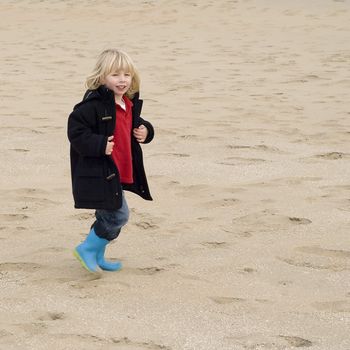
[(81, 136), (150, 129), (137, 108)]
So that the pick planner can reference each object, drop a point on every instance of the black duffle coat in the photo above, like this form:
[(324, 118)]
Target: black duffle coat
[(95, 177)]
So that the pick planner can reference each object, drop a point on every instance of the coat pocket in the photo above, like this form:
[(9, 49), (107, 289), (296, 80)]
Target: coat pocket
[(89, 181)]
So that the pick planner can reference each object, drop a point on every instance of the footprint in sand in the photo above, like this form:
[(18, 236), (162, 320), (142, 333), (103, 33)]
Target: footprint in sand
[(53, 250), (34, 203), (52, 316), (13, 217), (333, 155), (296, 341), (220, 203), (331, 253), (226, 300), (19, 130), (28, 191), (319, 258), (148, 271), (215, 244), (300, 221), (117, 343), (295, 180), (31, 197), (239, 160), (20, 150), (126, 342), (83, 216), (19, 267), (51, 127), (263, 148), (280, 342), (333, 306), (268, 221), (285, 283), (145, 225), (205, 218), (146, 221), (248, 270), (317, 266), (80, 340), (190, 137), (34, 328)]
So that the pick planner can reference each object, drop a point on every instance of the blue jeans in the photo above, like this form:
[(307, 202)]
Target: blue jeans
[(108, 223)]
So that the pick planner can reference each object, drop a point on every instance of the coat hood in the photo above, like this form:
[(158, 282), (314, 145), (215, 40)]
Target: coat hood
[(101, 93)]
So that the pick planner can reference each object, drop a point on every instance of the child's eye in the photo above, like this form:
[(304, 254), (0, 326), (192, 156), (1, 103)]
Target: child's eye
[(127, 74)]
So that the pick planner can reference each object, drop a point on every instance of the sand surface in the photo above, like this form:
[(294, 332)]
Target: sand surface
[(246, 244)]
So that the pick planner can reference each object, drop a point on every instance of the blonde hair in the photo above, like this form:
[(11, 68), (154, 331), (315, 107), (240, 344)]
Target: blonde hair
[(111, 61)]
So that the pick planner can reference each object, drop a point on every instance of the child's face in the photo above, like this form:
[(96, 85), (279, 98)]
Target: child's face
[(118, 82)]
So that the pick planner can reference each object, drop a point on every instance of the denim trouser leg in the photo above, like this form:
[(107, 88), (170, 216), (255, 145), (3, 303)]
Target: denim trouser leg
[(108, 223)]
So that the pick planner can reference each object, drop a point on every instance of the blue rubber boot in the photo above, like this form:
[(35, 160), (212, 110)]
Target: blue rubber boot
[(106, 265), (86, 252)]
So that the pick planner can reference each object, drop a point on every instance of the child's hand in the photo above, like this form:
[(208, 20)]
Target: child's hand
[(140, 133), (109, 146)]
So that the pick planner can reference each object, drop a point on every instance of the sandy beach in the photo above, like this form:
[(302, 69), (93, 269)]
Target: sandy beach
[(246, 244)]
